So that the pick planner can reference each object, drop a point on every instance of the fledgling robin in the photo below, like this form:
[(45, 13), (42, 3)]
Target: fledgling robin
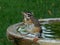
[(29, 19)]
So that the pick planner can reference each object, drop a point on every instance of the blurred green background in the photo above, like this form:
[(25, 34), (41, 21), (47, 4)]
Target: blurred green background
[(10, 13)]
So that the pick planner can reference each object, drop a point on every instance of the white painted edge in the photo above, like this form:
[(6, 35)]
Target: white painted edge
[(47, 19)]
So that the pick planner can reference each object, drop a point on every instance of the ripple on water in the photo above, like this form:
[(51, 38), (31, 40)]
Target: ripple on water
[(48, 33)]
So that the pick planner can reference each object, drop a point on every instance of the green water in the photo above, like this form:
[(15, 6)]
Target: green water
[(52, 30)]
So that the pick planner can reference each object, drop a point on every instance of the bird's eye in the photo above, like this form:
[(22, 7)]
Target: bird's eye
[(29, 15)]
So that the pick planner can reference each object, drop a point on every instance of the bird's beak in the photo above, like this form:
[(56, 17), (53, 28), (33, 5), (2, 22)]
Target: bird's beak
[(24, 14)]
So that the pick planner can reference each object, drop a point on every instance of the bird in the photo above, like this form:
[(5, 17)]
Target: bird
[(30, 19)]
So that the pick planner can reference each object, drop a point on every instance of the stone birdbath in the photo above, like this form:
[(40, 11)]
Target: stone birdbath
[(18, 39)]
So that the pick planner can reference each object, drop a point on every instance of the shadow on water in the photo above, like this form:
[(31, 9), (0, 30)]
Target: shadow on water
[(51, 30)]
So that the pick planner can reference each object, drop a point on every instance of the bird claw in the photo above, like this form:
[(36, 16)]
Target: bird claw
[(35, 39)]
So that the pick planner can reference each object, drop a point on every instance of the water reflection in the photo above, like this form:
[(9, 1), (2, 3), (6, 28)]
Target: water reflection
[(51, 31)]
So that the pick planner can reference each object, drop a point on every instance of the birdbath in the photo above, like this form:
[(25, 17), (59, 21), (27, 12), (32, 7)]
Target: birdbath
[(18, 39)]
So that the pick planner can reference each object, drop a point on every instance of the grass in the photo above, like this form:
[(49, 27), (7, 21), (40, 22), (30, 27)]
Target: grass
[(10, 13)]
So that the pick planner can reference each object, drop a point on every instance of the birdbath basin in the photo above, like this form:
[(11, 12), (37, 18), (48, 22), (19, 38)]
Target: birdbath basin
[(50, 36)]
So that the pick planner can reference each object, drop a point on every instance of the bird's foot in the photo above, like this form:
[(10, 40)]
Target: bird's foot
[(35, 39)]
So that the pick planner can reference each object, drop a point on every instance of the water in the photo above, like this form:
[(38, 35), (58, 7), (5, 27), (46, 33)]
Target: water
[(51, 31)]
